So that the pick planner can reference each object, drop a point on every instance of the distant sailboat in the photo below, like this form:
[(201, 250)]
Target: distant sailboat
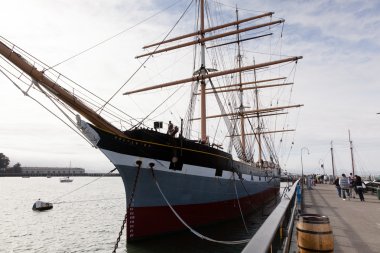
[(66, 180)]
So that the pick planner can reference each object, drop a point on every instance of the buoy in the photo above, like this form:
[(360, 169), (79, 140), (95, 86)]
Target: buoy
[(314, 234), (42, 206)]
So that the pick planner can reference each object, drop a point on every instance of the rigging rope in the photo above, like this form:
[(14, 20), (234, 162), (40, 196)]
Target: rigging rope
[(231, 130), (142, 121), (109, 38), (237, 198), (186, 225), (53, 74), (43, 106), (63, 195), (150, 56)]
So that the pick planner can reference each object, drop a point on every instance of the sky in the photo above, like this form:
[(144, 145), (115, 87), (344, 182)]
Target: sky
[(337, 79)]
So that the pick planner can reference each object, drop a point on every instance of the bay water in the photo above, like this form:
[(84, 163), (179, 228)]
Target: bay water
[(89, 219)]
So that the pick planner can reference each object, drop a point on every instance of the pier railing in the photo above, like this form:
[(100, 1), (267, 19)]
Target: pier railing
[(275, 233)]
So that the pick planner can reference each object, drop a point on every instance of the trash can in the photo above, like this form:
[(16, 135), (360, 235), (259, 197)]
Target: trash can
[(314, 234)]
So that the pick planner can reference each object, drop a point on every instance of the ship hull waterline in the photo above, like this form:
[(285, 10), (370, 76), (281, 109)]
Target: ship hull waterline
[(152, 216), (203, 187)]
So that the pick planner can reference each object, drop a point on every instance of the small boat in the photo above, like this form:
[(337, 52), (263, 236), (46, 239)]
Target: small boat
[(42, 206), (65, 180)]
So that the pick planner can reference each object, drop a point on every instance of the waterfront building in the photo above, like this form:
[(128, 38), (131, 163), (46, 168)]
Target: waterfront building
[(52, 170)]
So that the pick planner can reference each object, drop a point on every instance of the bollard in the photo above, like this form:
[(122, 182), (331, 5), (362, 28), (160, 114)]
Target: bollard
[(378, 193)]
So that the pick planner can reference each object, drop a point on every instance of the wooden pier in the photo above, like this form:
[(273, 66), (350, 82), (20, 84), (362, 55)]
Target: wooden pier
[(355, 224)]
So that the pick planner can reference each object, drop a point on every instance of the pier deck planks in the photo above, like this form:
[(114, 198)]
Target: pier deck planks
[(355, 224)]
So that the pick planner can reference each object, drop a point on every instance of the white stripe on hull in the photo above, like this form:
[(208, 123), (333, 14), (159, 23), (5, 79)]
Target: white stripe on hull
[(129, 160)]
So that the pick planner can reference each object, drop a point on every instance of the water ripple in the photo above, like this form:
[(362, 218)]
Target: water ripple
[(79, 223)]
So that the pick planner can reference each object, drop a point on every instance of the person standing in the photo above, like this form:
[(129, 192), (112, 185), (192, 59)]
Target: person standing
[(309, 182), (170, 128), (345, 186), (352, 188), (337, 186), (359, 187)]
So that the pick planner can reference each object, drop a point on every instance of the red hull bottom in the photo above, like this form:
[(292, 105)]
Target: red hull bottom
[(145, 222)]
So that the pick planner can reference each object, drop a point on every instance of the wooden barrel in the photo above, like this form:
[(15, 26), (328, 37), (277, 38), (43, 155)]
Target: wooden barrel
[(314, 234)]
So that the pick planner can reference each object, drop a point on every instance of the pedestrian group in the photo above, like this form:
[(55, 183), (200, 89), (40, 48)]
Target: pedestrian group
[(349, 187)]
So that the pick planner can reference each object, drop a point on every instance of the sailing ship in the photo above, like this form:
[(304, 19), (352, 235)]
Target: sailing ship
[(174, 179)]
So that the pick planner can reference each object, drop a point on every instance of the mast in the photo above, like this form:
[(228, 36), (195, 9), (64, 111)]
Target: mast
[(210, 29), (352, 153), (220, 90), (210, 38), (258, 119), (246, 83), (203, 72), (55, 89), (260, 111), (241, 107), (332, 160), (200, 76), (267, 132), (215, 74)]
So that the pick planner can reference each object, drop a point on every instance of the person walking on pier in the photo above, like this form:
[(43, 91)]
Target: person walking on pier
[(359, 187), (352, 186), (336, 182), (344, 185)]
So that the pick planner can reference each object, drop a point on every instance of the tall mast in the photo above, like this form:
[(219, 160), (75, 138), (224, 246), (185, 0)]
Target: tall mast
[(332, 160), (241, 107), (202, 72), (352, 153), (258, 120)]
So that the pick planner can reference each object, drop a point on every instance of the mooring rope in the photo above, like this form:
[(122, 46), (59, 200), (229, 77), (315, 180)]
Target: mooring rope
[(186, 225), (237, 198), (87, 200)]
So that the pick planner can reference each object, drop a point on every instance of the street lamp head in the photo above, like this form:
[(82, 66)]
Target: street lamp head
[(308, 152)]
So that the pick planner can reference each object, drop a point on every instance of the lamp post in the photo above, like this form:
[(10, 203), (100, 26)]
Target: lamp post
[(308, 152), (322, 165)]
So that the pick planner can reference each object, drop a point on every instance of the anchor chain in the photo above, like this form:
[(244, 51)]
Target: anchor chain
[(129, 204)]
